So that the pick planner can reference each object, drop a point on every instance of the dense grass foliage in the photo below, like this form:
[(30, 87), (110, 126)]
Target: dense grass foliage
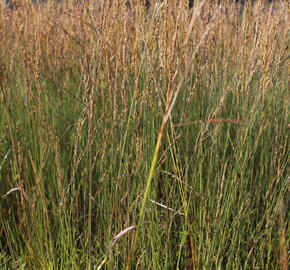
[(169, 126)]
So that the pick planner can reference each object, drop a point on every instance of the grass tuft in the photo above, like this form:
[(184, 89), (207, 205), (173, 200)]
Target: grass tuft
[(144, 138)]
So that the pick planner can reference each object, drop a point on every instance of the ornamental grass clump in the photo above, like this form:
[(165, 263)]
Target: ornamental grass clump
[(144, 137)]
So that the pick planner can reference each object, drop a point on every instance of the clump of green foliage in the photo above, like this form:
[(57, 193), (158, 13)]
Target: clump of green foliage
[(134, 138)]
